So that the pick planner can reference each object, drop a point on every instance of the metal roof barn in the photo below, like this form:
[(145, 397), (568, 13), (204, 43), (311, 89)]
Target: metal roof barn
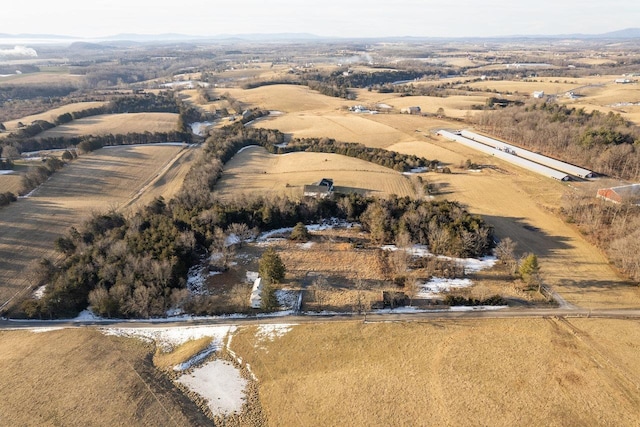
[(511, 158), (530, 155)]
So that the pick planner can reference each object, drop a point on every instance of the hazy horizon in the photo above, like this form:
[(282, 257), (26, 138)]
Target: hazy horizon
[(332, 18)]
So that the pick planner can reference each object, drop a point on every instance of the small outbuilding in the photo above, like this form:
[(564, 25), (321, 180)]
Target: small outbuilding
[(621, 194), (411, 110)]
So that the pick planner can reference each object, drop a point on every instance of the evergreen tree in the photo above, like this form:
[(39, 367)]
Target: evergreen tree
[(271, 267)]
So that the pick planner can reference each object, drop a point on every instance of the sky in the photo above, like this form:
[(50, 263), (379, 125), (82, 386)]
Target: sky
[(340, 18)]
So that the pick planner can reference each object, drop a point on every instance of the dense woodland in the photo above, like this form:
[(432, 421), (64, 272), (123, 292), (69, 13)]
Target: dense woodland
[(136, 266)]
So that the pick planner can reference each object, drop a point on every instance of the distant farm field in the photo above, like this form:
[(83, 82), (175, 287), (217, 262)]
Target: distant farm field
[(488, 372), (108, 178), (51, 115), (116, 124), (287, 98), (255, 171), (40, 78)]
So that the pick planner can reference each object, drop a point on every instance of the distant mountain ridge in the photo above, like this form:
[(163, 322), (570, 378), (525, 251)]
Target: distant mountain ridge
[(627, 33)]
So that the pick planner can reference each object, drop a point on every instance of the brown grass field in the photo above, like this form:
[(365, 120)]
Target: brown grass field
[(107, 178), (515, 201), (116, 124), (489, 372), (44, 77), (51, 115), (524, 206), (79, 377), (255, 171)]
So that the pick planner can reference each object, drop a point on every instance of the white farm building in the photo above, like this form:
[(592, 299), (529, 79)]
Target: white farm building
[(511, 154)]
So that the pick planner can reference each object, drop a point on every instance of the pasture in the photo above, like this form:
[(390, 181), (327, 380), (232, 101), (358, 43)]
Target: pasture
[(115, 124), (79, 377), (477, 372), (107, 178), (254, 171), (52, 114)]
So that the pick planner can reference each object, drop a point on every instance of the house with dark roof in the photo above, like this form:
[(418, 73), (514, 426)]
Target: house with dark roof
[(320, 189)]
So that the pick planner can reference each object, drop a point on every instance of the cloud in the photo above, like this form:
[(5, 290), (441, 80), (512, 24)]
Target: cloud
[(19, 51)]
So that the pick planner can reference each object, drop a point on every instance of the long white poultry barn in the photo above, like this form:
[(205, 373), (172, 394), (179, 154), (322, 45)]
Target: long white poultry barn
[(530, 155), (516, 160)]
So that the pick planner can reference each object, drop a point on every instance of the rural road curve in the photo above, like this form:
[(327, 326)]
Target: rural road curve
[(6, 324)]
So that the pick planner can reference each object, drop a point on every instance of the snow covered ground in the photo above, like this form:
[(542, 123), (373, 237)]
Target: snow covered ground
[(168, 338), (200, 128), (220, 384), (438, 285)]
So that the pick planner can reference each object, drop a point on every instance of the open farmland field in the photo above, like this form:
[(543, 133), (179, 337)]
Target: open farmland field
[(79, 377), (39, 78), (11, 182), (346, 127), (287, 98), (255, 171), (115, 124), (523, 205), (51, 115), (108, 178), (490, 372)]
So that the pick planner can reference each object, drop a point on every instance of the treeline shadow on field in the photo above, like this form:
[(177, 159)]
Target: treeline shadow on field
[(529, 238)]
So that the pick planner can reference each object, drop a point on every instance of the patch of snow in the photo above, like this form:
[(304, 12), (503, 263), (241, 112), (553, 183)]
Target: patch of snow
[(232, 239), (195, 359), (87, 316), (214, 273), (383, 106), (6, 172), (271, 332), (169, 338), (42, 330), (438, 285), (306, 245), (275, 113), (283, 145), (39, 293), (287, 298), (220, 384), (470, 264), (244, 148), (200, 128), (196, 280), (252, 276), (416, 170)]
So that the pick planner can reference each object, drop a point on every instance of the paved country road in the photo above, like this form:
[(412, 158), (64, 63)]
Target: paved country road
[(507, 313)]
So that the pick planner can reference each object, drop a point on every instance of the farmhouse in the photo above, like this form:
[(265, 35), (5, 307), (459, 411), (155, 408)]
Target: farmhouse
[(411, 110), (320, 189), (621, 194)]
